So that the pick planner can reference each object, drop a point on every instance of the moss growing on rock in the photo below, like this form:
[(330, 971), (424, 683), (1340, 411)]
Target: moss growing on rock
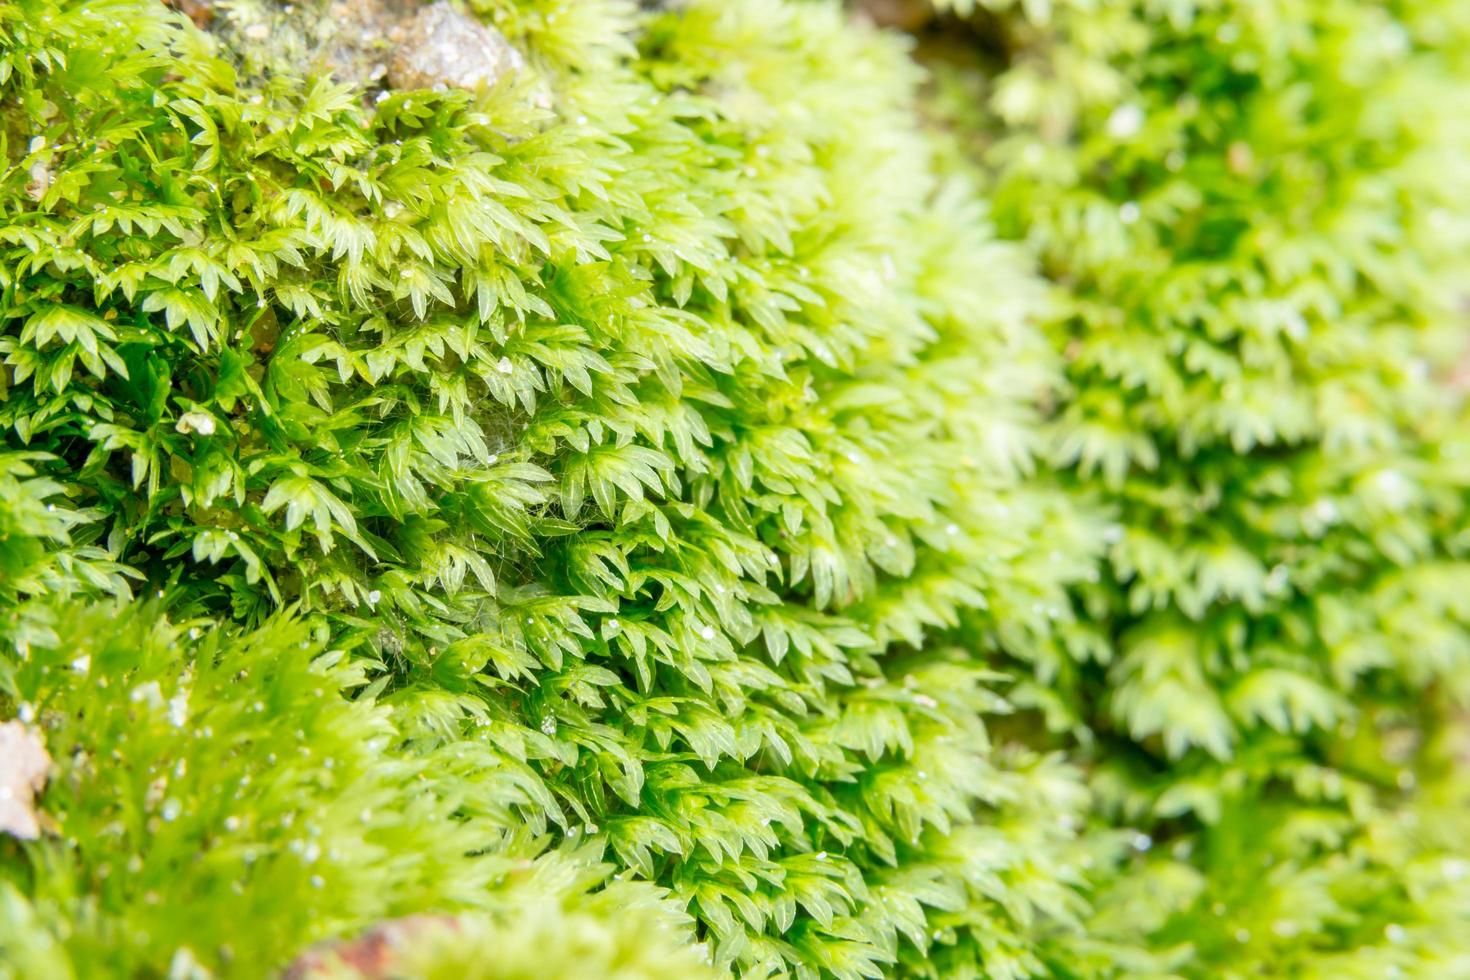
[(589, 516), (649, 457)]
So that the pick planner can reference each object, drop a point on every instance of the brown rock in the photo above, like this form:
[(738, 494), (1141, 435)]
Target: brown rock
[(905, 15), (440, 46), (370, 956), (201, 12)]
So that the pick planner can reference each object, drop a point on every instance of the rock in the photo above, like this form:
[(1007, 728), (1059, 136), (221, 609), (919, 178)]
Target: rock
[(201, 12), (403, 44), (24, 765), (440, 46), (371, 955), (904, 15)]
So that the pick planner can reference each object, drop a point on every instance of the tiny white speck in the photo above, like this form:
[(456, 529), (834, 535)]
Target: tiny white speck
[(178, 709), (1125, 122), (1324, 512)]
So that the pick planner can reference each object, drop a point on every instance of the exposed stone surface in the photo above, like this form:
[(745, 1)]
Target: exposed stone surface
[(370, 956), (404, 44), (201, 12), (442, 46), (905, 15)]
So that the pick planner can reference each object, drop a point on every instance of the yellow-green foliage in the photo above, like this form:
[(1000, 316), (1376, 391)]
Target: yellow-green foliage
[(656, 457), (632, 520), (1257, 217)]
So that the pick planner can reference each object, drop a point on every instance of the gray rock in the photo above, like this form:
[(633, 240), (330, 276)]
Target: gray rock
[(441, 46), (403, 44)]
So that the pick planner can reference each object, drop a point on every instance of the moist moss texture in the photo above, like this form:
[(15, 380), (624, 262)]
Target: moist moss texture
[(698, 494)]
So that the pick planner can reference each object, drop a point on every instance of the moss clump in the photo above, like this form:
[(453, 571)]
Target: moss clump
[(597, 521), (651, 465), (1255, 217)]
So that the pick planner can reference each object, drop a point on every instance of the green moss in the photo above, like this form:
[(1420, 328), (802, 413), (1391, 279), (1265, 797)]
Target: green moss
[(1255, 218), (666, 447), (636, 511)]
